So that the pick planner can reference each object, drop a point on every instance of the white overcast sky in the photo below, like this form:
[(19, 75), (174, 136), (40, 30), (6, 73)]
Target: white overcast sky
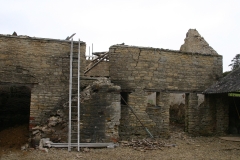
[(149, 23)]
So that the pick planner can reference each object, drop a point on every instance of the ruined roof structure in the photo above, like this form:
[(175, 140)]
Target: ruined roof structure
[(194, 42), (230, 83)]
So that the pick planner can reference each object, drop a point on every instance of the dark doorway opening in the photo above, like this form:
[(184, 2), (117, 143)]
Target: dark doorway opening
[(125, 116), (14, 105), (124, 95), (177, 111), (234, 115)]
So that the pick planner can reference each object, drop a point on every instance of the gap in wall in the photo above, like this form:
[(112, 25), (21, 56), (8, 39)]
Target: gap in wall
[(14, 106), (177, 111), (124, 121), (234, 115)]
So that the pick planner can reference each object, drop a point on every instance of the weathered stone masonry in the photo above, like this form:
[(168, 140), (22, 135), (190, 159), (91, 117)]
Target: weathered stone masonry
[(43, 65), (100, 112), (140, 69), (146, 68), (100, 70)]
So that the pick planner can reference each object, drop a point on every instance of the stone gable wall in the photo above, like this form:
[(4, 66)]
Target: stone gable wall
[(194, 42)]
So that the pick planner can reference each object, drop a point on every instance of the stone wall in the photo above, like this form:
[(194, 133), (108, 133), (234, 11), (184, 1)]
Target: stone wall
[(100, 70), (141, 69), (137, 67), (222, 113), (129, 125), (99, 116), (43, 63), (100, 112), (209, 118)]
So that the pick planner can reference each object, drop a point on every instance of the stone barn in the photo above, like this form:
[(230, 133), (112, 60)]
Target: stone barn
[(154, 82)]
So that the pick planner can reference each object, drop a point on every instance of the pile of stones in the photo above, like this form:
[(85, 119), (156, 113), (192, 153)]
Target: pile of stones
[(146, 144)]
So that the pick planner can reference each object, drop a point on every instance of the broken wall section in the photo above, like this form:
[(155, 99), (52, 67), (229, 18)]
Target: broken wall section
[(100, 112), (194, 42), (99, 120)]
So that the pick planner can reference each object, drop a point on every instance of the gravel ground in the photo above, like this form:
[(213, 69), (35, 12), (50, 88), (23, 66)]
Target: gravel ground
[(186, 148)]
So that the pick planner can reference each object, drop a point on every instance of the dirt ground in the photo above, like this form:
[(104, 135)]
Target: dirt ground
[(186, 147)]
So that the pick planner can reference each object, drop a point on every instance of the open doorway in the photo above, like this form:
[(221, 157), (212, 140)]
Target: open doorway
[(14, 105), (234, 115), (124, 121), (177, 111), (14, 116)]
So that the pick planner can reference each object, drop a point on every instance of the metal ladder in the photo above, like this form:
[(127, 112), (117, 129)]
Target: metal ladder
[(74, 99)]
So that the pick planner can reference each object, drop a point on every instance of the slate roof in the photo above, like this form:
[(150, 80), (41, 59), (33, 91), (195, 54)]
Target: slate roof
[(230, 83)]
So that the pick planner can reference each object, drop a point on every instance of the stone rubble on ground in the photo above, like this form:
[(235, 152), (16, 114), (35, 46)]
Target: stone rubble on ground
[(146, 144)]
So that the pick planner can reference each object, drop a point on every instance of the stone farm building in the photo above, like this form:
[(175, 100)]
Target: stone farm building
[(34, 88)]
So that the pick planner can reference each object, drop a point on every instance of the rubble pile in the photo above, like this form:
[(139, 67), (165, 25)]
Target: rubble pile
[(146, 144), (90, 90), (87, 93), (54, 128)]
